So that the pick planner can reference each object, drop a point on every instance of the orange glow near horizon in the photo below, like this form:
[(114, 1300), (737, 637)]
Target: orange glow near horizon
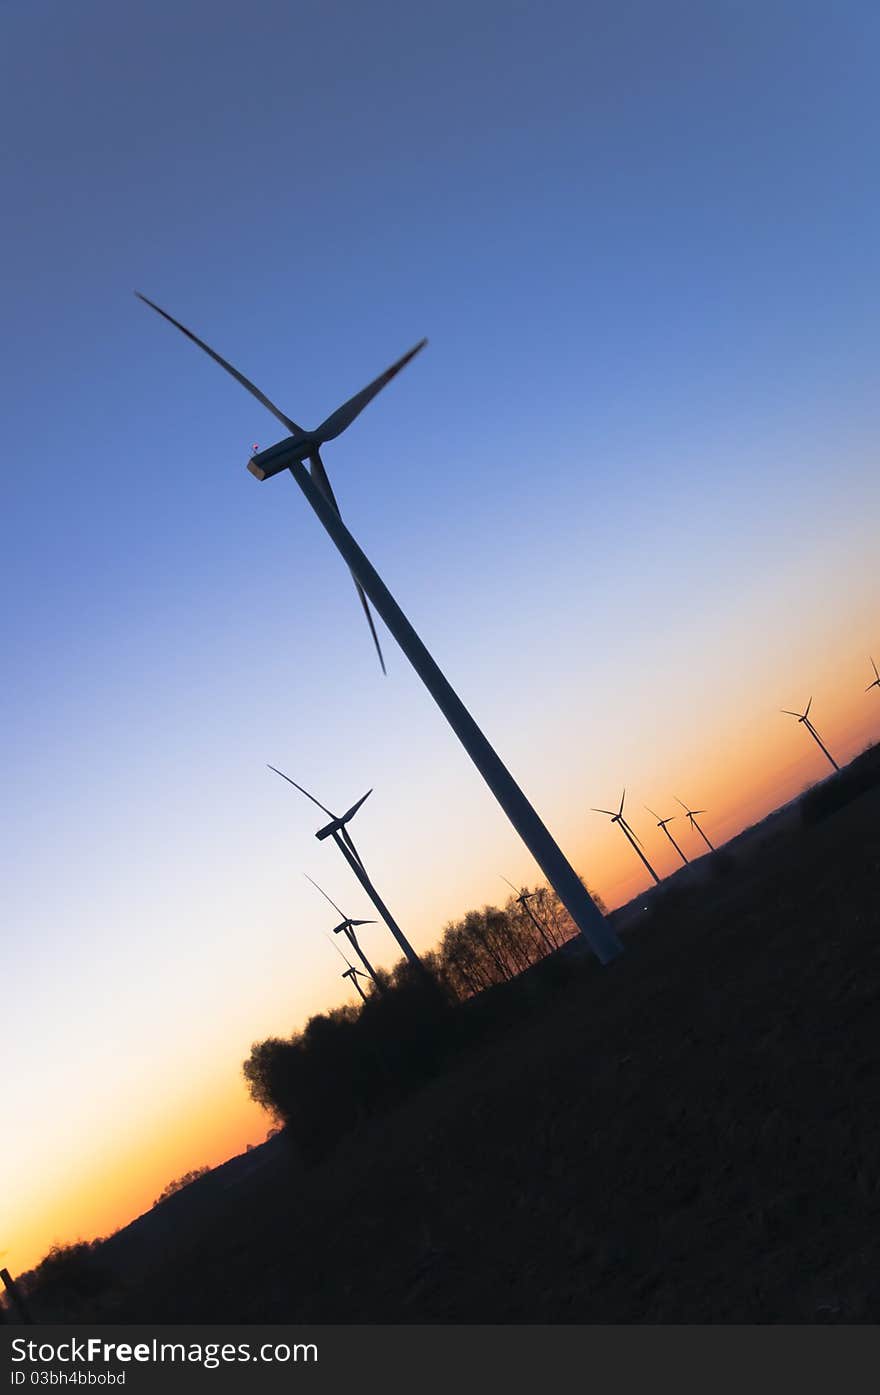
[(207, 1120)]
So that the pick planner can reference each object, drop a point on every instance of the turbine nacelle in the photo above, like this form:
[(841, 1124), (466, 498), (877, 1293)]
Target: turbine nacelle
[(274, 459), (338, 824), (801, 716), (345, 925)]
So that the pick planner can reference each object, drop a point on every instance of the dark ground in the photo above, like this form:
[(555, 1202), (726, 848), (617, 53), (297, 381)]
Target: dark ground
[(689, 1135)]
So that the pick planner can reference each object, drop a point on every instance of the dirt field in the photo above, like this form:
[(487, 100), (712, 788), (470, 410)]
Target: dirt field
[(690, 1135)]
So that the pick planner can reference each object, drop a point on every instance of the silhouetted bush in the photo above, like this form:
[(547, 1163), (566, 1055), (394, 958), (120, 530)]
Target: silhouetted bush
[(67, 1281), (350, 1064), (180, 1182), (347, 1065)]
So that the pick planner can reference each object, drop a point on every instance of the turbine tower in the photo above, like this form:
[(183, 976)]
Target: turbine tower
[(351, 972), (522, 899), (347, 927), (661, 823), (631, 837), (337, 829), (804, 719), (291, 454), (876, 683), (692, 819)]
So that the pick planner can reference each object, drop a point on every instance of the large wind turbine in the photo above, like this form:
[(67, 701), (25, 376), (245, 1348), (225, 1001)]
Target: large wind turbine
[(876, 683), (692, 819), (522, 899), (337, 829), (804, 719), (347, 927), (291, 454), (661, 823), (350, 972), (631, 837)]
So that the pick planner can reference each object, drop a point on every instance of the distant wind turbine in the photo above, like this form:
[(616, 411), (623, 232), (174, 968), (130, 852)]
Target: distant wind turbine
[(351, 972), (522, 899), (347, 927), (661, 823), (337, 829), (692, 819), (632, 838), (804, 719), (876, 683), (291, 454)]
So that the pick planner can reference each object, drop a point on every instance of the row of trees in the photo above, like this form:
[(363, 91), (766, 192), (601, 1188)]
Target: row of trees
[(494, 945), (355, 1061)]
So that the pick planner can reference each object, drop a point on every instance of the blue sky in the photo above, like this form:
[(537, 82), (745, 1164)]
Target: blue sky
[(628, 494)]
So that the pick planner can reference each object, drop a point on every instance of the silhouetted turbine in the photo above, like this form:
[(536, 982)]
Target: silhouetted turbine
[(876, 683), (692, 817), (523, 898), (661, 823), (351, 972), (337, 829), (347, 927), (304, 445), (632, 838), (804, 719)]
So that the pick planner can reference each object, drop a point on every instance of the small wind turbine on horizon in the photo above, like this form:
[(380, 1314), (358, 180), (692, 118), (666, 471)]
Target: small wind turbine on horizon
[(350, 972), (876, 683), (337, 829), (804, 719), (522, 899), (347, 927), (661, 823), (292, 453), (632, 837), (692, 819)]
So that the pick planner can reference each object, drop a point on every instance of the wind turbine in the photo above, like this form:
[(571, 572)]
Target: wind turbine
[(631, 837), (522, 899), (337, 829), (876, 683), (804, 719), (291, 454), (661, 823), (347, 927), (692, 818), (351, 972)]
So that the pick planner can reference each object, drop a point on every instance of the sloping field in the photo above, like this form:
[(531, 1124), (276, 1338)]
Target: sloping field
[(691, 1135)]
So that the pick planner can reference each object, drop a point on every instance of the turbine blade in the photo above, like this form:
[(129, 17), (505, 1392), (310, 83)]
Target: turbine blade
[(653, 815), (350, 813), (510, 884), (339, 952), (678, 801), (610, 812), (239, 377), (324, 894), (807, 708), (363, 922), (319, 475), (622, 798), (789, 713), (337, 421), (876, 673), (632, 833), (302, 791)]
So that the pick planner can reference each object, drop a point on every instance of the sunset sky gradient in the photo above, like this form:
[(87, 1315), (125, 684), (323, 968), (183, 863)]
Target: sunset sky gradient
[(628, 496)]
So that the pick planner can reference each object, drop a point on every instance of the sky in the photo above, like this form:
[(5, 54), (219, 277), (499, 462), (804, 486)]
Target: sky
[(627, 495)]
